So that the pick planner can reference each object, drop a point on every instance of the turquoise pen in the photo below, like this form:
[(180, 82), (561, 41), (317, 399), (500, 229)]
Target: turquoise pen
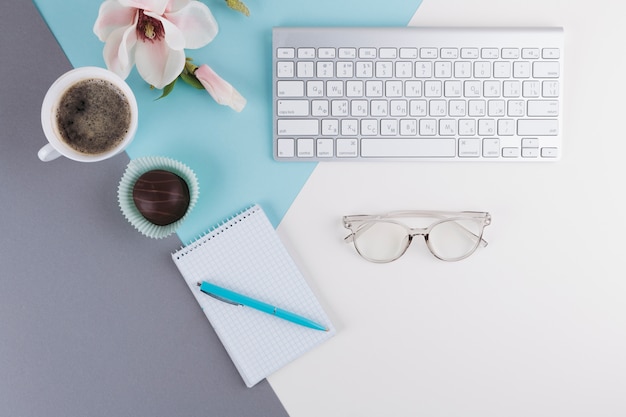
[(232, 297)]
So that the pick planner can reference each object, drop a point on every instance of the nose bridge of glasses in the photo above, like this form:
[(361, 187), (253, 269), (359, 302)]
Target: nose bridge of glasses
[(417, 231)]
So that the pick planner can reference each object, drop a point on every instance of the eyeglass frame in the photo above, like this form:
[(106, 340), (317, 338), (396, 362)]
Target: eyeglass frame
[(360, 220)]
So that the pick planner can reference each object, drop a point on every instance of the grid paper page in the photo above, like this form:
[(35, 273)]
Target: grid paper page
[(245, 255)]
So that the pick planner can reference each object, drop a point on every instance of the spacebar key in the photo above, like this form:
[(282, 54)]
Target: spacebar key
[(297, 127), (408, 148)]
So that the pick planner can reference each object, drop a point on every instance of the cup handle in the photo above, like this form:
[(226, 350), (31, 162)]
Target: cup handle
[(48, 153)]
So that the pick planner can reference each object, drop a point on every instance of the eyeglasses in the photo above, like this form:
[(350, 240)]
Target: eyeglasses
[(451, 237)]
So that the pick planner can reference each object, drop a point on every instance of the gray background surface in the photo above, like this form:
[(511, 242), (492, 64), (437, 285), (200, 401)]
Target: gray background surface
[(95, 319)]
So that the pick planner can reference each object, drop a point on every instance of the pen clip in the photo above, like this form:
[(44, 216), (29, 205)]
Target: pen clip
[(217, 297), (226, 300)]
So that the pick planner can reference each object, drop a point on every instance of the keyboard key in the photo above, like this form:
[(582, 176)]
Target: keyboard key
[(443, 69), (530, 143), (339, 108), (510, 53), (469, 53), (531, 89), (319, 108), (305, 148), (314, 88), (364, 69), (510, 152), (521, 69), (482, 69), (369, 127), (286, 53), (354, 88), (347, 148), (537, 127), (347, 53), (549, 152), (502, 69), (304, 69), (511, 88), (290, 89), (506, 127), (306, 53), (489, 53), (546, 69), (469, 148), (389, 127), (550, 88), (292, 107), (326, 53), (388, 53), (462, 69), (530, 152), (298, 127), (367, 53), (538, 108), (330, 127), (428, 53), (408, 53), (467, 127), (516, 108), (393, 89), (285, 148), (408, 148), (423, 69), (325, 69), (408, 127), (449, 53), (325, 148), (404, 69), (345, 69), (530, 53), (384, 69), (491, 148), (550, 53), (285, 69)]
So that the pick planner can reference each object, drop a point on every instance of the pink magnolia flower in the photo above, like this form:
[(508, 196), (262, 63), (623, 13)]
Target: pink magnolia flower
[(153, 35), (219, 89)]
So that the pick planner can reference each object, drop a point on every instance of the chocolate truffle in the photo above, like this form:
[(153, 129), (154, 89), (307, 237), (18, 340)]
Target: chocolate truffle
[(162, 197)]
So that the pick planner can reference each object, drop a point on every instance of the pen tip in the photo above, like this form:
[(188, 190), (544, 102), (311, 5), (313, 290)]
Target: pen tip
[(198, 284)]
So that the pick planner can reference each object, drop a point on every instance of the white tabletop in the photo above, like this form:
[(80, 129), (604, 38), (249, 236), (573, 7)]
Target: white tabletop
[(534, 323)]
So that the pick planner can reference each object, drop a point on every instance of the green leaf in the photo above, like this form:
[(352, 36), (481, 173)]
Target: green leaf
[(192, 80), (239, 6), (168, 89)]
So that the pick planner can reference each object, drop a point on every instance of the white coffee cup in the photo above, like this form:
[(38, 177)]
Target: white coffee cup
[(57, 146)]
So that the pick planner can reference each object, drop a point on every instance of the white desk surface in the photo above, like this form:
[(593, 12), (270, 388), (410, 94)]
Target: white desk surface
[(532, 325)]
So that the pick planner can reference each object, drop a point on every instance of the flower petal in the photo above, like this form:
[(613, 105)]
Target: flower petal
[(196, 22), (156, 6), (176, 5), (173, 35), (158, 64), (219, 89), (111, 16), (119, 50)]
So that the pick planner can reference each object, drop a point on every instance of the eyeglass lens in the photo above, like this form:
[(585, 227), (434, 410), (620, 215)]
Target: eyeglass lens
[(383, 241), (454, 239)]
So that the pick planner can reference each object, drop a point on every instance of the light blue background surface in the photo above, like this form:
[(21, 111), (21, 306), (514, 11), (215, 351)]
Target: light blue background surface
[(230, 152)]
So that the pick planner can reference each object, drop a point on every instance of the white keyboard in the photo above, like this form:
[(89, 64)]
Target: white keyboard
[(418, 94)]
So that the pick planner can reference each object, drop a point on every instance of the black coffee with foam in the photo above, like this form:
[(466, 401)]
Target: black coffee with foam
[(93, 116)]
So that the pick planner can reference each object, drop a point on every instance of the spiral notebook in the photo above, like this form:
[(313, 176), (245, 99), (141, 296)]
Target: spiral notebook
[(246, 255)]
